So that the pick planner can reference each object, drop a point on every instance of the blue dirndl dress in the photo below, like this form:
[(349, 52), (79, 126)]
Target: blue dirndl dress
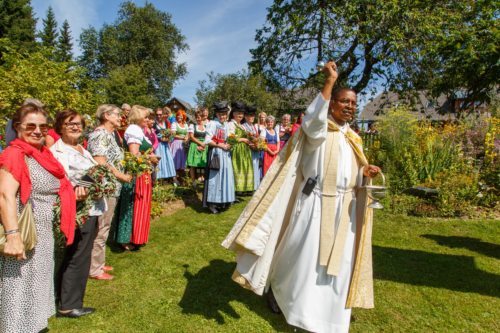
[(166, 168), (219, 185)]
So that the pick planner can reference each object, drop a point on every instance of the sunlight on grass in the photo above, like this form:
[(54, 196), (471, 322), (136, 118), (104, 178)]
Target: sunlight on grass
[(430, 275)]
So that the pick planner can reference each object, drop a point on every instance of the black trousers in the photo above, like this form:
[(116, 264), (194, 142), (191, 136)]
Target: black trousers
[(76, 265)]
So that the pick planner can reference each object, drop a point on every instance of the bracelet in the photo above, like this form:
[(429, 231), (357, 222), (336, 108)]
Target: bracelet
[(10, 232)]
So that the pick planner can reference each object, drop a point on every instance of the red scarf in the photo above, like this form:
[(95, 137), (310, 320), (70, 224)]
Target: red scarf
[(12, 159)]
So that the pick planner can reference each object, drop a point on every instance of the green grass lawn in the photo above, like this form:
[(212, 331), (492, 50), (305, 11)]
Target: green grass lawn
[(431, 275)]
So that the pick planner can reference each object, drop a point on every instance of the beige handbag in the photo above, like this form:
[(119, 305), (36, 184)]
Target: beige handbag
[(27, 229)]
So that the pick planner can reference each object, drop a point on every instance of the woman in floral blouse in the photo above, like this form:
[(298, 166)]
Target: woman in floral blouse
[(106, 151)]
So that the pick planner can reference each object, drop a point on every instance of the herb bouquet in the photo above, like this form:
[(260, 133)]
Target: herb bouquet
[(100, 183), (136, 165)]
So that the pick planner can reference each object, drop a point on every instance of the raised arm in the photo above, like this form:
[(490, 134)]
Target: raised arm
[(315, 123)]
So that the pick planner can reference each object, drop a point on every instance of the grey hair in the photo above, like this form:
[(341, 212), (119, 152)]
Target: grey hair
[(271, 118), (126, 106), (286, 115), (104, 109), (33, 101)]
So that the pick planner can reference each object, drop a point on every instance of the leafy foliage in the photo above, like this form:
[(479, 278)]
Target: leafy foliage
[(58, 84), (404, 45), (459, 159), (129, 84), (462, 56), (17, 23), (240, 86), (143, 37)]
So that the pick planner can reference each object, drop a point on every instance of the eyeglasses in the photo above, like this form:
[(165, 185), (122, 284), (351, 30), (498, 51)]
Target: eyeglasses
[(347, 102), (31, 127), (74, 124)]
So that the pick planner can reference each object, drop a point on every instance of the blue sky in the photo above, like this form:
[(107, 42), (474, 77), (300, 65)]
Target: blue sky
[(220, 33)]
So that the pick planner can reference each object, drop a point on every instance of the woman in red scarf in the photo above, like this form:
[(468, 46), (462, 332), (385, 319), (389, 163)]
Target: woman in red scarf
[(29, 171)]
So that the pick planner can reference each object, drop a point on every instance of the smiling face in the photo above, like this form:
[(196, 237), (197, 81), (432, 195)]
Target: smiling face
[(238, 116), (72, 129), (343, 106), (159, 114), (285, 120), (250, 118), (262, 118), (269, 124), (199, 118), (114, 118), (222, 116), (33, 128)]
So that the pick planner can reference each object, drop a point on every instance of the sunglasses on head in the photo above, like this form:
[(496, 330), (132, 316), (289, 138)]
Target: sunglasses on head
[(30, 127)]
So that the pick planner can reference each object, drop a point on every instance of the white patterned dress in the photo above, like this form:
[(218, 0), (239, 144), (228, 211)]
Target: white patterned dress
[(27, 286)]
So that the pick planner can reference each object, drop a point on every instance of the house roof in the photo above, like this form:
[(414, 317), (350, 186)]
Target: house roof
[(422, 105), (299, 98), (185, 104)]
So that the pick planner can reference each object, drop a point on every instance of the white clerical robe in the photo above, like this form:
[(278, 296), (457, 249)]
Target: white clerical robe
[(307, 296)]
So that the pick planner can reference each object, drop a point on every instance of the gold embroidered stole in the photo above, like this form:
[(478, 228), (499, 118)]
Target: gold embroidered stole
[(332, 241)]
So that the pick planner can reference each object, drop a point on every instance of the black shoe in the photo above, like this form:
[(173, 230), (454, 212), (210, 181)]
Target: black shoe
[(213, 210), (271, 302), (76, 313)]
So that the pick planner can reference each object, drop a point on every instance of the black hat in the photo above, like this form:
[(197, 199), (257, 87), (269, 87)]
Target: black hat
[(238, 107), (221, 106), (251, 110)]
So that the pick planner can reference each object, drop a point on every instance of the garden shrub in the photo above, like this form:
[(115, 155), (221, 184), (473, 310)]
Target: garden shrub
[(460, 159)]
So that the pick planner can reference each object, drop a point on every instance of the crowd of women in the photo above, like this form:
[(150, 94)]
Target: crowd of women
[(48, 166)]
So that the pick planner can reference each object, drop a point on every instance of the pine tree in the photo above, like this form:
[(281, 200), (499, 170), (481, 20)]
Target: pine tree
[(17, 23), (49, 33), (64, 44)]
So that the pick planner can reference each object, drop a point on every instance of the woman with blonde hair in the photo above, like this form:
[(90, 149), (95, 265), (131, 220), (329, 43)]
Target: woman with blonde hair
[(135, 207)]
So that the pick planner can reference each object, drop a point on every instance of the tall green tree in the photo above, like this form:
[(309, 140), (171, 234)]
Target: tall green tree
[(89, 44), (17, 23), (64, 44), (395, 43), (49, 34), (465, 59), (141, 36), (127, 84), (240, 86)]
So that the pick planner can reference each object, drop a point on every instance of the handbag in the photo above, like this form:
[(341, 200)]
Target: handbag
[(214, 162), (27, 229)]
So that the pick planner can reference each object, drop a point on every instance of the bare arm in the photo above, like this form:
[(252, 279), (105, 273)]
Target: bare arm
[(133, 148), (119, 175), (195, 140), (8, 190)]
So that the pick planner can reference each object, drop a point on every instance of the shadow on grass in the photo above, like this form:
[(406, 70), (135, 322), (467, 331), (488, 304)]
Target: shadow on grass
[(469, 243), (210, 292), (457, 273), (194, 202)]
